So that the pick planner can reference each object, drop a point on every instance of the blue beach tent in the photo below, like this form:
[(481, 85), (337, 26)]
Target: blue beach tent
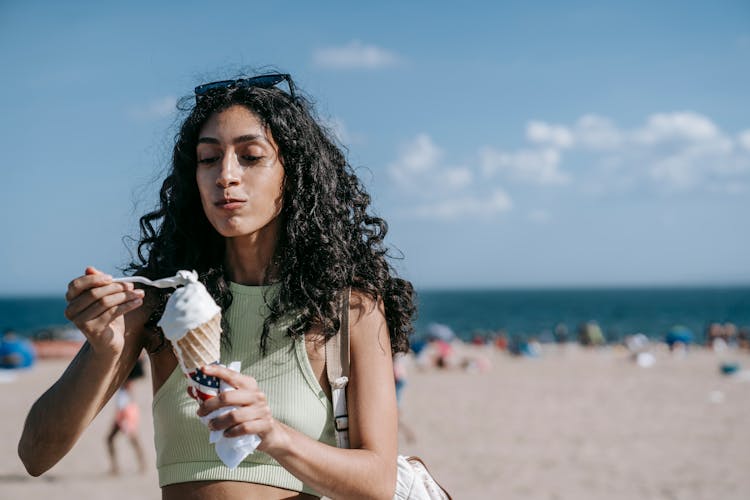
[(678, 334)]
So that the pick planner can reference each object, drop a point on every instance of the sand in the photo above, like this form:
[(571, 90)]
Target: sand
[(572, 424)]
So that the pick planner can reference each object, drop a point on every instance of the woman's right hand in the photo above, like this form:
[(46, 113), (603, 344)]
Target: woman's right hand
[(97, 305)]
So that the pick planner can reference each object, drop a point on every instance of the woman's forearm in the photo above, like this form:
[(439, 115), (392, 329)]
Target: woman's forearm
[(335, 472), (59, 416), (110, 316)]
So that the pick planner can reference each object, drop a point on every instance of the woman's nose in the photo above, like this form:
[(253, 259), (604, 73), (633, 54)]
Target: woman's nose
[(229, 174)]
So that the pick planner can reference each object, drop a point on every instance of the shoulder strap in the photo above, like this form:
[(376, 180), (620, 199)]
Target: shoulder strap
[(337, 370)]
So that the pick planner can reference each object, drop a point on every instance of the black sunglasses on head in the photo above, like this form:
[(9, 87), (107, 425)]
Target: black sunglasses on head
[(262, 81)]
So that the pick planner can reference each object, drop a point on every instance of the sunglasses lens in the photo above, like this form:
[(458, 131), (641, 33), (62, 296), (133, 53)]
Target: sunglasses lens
[(262, 81), (208, 87)]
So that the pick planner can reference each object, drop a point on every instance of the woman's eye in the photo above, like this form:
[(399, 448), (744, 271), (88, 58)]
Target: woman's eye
[(251, 158), (209, 160)]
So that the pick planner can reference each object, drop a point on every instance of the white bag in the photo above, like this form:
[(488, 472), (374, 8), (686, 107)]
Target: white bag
[(414, 481)]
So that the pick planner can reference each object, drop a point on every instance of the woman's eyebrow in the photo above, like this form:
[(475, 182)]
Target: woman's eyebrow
[(236, 140), (247, 138)]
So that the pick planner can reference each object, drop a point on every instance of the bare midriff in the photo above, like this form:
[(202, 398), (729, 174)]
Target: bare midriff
[(211, 490)]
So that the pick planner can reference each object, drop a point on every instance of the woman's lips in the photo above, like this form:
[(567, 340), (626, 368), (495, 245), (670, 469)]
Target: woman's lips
[(230, 204)]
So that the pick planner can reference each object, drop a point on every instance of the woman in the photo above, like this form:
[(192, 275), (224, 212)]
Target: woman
[(262, 204)]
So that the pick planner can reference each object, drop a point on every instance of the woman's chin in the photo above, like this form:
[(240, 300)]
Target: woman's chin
[(228, 230), (235, 227), (232, 231)]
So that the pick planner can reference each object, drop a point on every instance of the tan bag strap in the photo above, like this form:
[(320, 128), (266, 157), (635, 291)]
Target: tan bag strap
[(337, 370), (337, 347)]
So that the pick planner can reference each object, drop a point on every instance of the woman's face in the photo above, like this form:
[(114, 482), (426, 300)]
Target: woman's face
[(240, 176)]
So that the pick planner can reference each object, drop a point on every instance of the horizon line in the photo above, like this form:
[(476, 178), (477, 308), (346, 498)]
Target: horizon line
[(486, 287), (584, 286)]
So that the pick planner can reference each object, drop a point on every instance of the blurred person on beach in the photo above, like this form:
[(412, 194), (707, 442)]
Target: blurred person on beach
[(640, 349), (262, 203), (715, 336), (743, 339), (721, 336), (16, 352), (444, 354), (479, 340), (127, 420), (400, 375), (526, 347), (561, 333), (422, 353), (440, 338), (516, 345), (730, 334), (590, 334), (501, 340), (534, 347)]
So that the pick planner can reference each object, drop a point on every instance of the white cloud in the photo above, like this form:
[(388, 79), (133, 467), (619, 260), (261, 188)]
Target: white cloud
[(420, 155), (533, 166), (743, 138), (684, 151), (467, 206), (546, 134), (668, 153), (419, 168), (158, 108), (440, 191), (354, 55), (682, 126), (597, 133), (676, 172), (459, 177), (676, 151)]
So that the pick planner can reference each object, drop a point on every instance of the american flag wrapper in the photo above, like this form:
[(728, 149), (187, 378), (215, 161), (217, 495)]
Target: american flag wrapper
[(201, 386)]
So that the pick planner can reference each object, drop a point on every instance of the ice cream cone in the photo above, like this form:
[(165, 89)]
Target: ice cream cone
[(192, 323), (200, 346)]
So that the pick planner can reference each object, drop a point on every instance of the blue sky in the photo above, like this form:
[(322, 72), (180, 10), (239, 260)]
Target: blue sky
[(507, 143)]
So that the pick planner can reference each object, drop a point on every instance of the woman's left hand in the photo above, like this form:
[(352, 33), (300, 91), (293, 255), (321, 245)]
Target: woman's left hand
[(252, 414)]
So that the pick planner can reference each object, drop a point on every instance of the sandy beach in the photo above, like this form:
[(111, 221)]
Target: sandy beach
[(572, 424)]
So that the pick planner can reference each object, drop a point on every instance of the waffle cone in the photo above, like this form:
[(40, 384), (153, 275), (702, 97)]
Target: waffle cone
[(200, 346)]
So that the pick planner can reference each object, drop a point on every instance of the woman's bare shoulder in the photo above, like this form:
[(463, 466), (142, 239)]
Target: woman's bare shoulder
[(367, 324), (364, 307)]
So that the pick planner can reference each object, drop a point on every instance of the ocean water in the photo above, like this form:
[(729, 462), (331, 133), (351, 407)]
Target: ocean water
[(619, 312), (27, 315)]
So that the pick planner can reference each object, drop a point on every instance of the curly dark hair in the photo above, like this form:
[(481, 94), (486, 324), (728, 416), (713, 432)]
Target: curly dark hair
[(328, 243)]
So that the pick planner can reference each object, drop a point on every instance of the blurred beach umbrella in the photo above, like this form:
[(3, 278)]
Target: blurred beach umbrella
[(678, 335), (440, 332)]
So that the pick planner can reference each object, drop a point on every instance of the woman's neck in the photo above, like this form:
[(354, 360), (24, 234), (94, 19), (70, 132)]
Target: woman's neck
[(249, 259)]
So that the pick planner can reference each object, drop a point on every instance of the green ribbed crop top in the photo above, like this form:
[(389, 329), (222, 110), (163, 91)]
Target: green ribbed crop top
[(183, 452)]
